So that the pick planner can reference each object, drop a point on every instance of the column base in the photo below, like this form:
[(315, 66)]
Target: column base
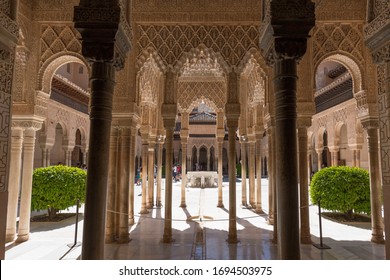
[(306, 240), (144, 211), (232, 239), (123, 239), (270, 221), (22, 238), (10, 238), (378, 239), (149, 206), (183, 205), (159, 204), (131, 221), (167, 239), (259, 210), (220, 204), (109, 239)]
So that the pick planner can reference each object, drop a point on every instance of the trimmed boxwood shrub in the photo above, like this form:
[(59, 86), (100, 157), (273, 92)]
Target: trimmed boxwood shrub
[(57, 187), (343, 189)]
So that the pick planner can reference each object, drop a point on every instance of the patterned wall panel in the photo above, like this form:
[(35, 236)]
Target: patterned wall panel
[(6, 70)]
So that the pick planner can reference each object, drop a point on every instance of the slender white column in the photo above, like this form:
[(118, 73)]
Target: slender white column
[(144, 173), (220, 171), (27, 172), (14, 181), (259, 207), (133, 133), (252, 187), (159, 173), (183, 172), (375, 183), (150, 175), (243, 174)]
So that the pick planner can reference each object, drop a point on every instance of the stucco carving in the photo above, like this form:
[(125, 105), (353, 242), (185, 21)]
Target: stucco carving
[(172, 41)]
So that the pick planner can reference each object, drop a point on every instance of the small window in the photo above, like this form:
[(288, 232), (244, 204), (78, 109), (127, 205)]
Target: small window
[(81, 70)]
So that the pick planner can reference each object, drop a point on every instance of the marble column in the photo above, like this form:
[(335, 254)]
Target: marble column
[(220, 171), (304, 186), (101, 47), (144, 175), (68, 156), (123, 190), (232, 125), (112, 184), (356, 157), (375, 181), (15, 167), (208, 159), (334, 152), (159, 172), (319, 158), (244, 200), (183, 172), (27, 173), (169, 124), (252, 187), (259, 205), (271, 178), (133, 142), (150, 202), (102, 86)]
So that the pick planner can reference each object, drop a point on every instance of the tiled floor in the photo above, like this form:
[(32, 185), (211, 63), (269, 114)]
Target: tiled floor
[(195, 239)]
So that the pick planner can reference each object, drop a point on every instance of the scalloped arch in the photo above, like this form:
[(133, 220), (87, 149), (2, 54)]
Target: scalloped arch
[(51, 65)]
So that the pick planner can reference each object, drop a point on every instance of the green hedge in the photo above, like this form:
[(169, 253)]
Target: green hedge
[(342, 188), (57, 188)]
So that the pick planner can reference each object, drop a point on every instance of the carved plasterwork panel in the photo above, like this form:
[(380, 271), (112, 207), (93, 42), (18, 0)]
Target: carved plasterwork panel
[(5, 6), (340, 115), (345, 38), (172, 41), (384, 122), (340, 9), (6, 71), (149, 82), (190, 94), (255, 83), (58, 38), (380, 6)]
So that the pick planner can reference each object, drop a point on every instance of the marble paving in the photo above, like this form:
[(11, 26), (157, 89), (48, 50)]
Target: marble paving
[(200, 233)]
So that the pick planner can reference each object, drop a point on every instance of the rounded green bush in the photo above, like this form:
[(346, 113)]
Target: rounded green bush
[(342, 188), (57, 187)]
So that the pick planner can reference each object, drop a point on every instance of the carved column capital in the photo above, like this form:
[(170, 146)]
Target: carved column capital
[(370, 123)]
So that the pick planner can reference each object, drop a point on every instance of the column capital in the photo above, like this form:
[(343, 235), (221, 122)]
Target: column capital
[(334, 149), (370, 123), (281, 20), (106, 35), (27, 124)]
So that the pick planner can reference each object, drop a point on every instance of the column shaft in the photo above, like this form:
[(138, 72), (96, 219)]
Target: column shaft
[(167, 237), (259, 206), (252, 187), (102, 86), (27, 172), (150, 202), (271, 179), (304, 186), (144, 175), (14, 182), (159, 174), (232, 237), (220, 175), (286, 159), (243, 174), (133, 133), (183, 174), (123, 199), (375, 185), (111, 192)]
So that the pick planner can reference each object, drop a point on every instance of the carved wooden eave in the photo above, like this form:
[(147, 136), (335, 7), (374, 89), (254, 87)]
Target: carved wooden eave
[(9, 31), (377, 37)]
